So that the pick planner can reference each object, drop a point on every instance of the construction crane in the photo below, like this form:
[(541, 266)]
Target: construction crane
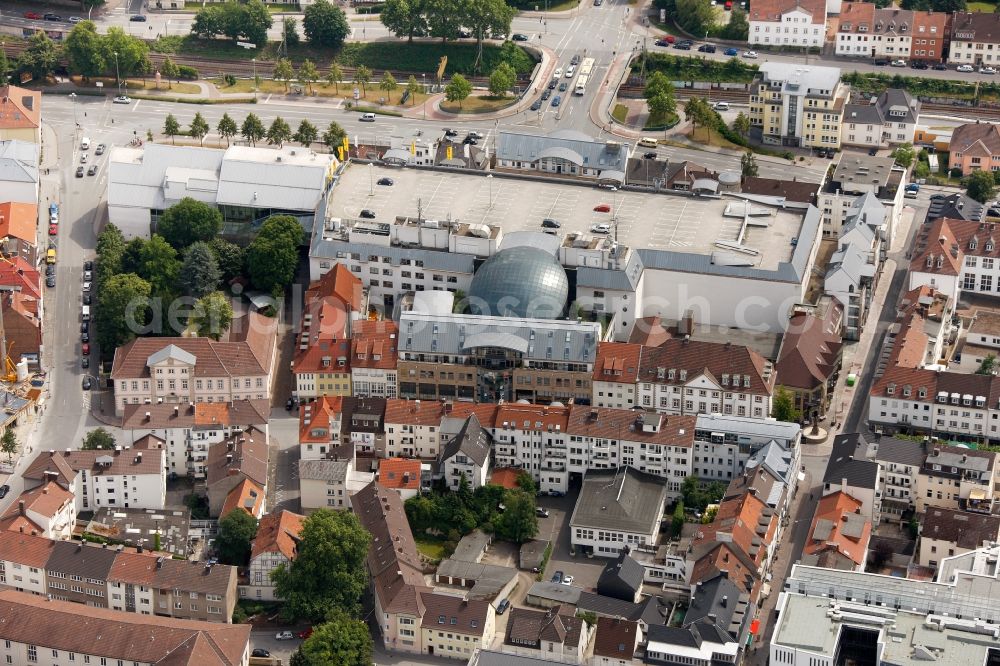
[(9, 369)]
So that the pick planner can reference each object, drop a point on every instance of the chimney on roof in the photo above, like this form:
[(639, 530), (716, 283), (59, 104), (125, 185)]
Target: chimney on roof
[(725, 601), (138, 549), (20, 507), (843, 485), (177, 410)]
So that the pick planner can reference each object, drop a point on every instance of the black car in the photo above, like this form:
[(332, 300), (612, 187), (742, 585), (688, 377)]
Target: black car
[(552, 84), (86, 299), (4, 489), (450, 132), (137, 18), (941, 67), (503, 606), (557, 577), (52, 17), (536, 105), (86, 383), (85, 337), (563, 86), (549, 223), (85, 362), (50, 270), (260, 652), (881, 63), (470, 140), (84, 326), (873, 152), (92, 170), (79, 172), (88, 265), (288, 405), (546, 94), (575, 60), (649, 156), (683, 46), (662, 42), (386, 181), (367, 214), (50, 281), (518, 37), (916, 64), (706, 48)]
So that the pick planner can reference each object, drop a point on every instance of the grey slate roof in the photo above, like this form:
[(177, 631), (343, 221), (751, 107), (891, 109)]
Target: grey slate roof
[(904, 452), (620, 574), (843, 465), (863, 114), (538, 339), (544, 589), (434, 260), (609, 606), (623, 499), (955, 206), (899, 101), (722, 598), (773, 457), (323, 470), (77, 559), (569, 145), (472, 440), (493, 658), (621, 280)]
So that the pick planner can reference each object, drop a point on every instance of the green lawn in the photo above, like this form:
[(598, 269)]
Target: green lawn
[(620, 113), (987, 7), (430, 548), (484, 104)]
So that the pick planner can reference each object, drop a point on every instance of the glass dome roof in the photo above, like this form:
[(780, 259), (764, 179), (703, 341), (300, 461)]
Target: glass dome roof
[(520, 282)]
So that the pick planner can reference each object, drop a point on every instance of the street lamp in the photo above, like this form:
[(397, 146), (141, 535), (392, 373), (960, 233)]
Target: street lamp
[(118, 78)]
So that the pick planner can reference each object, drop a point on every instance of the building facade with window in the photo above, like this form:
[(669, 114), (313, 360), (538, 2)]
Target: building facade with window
[(798, 106), (788, 23)]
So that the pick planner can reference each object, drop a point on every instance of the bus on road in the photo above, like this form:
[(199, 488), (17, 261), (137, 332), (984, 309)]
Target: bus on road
[(581, 82)]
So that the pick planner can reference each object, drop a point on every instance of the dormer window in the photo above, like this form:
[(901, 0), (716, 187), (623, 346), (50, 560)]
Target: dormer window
[(684, 375), (921, 392), (891, 389), (973, 243), (940, 261), (907, 391), (670, 373), (725, 380), (930, 260), (989, 246)]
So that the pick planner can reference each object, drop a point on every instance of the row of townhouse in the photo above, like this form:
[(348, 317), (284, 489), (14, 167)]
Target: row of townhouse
[(551, 442), (131, 581), (411, 617), (866, 31)]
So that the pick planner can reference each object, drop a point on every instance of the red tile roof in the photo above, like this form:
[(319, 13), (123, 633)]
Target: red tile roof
[(649, 331), (32, 551), (316, 419), (810, 349), (16, 272), (20, 108), (340, 284), (606, 423), (246, 496), (19, 220), (617, 362), (506, 477), (399, 473), (373, 344), (712, 358), (828, 527), (772, 10), (936, 249), (46, 500), (532, 417), (431, 412), (277, 533)]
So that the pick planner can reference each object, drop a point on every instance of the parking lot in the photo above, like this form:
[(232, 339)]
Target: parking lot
[(555, 528), (657, 221)]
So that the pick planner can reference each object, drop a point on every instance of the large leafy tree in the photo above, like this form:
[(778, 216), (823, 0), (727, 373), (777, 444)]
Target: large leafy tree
[(279, 132), (783, 405), (273, 255), (388, 84), (236, 532), (283, 71), (334, 76), (8, 443), (189, 221), (484, 18), (248, 21), (748, 165), (979, 185), (363, 76), (200, 274), (404, 18), (695, 16), (308, 74), (325, 24), (133, 53), (518, 522), (40, 57), (229, 257), (212, 315), (110, 251), (252, 129), (341, 640), (458, 89), (442, 19), (83, 50), (502, 79), (123, 310), (741, 125), (4, 68), (334, 135), (904, 155), (199, 127), (159, 265), (328, 573), (171, 127), (98, 439)]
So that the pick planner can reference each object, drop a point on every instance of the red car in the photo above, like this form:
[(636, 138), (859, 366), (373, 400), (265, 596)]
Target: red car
[(32, 15), (85, 349), (602, 208), (306, 633), (53, 229)]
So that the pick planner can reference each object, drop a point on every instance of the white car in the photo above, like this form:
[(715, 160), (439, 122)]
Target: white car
[(558, 73), (965, 68), (86, 287), (570, 71), (600, 228), (123, 99), (567, 580), (284, 636), (899, 62), (987, 70), (752, 55)]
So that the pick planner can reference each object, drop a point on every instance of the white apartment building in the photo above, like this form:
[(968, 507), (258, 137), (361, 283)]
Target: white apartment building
[(798, 106), (695, 377), (189, 430), (788, 23), (48, 510), (724, 444), (126, 478), (374, 358), (856, 175), (329, 484), (468, 453), (615, 509), (616, 372), (890, 119), (975, 39)]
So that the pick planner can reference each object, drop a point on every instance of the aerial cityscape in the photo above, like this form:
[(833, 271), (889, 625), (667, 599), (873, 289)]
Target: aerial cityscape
[(500, 332)]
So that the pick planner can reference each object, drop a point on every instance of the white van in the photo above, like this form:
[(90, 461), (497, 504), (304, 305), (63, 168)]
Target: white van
[(84, 143), (647, 142), (367, 117), (86, 313)]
